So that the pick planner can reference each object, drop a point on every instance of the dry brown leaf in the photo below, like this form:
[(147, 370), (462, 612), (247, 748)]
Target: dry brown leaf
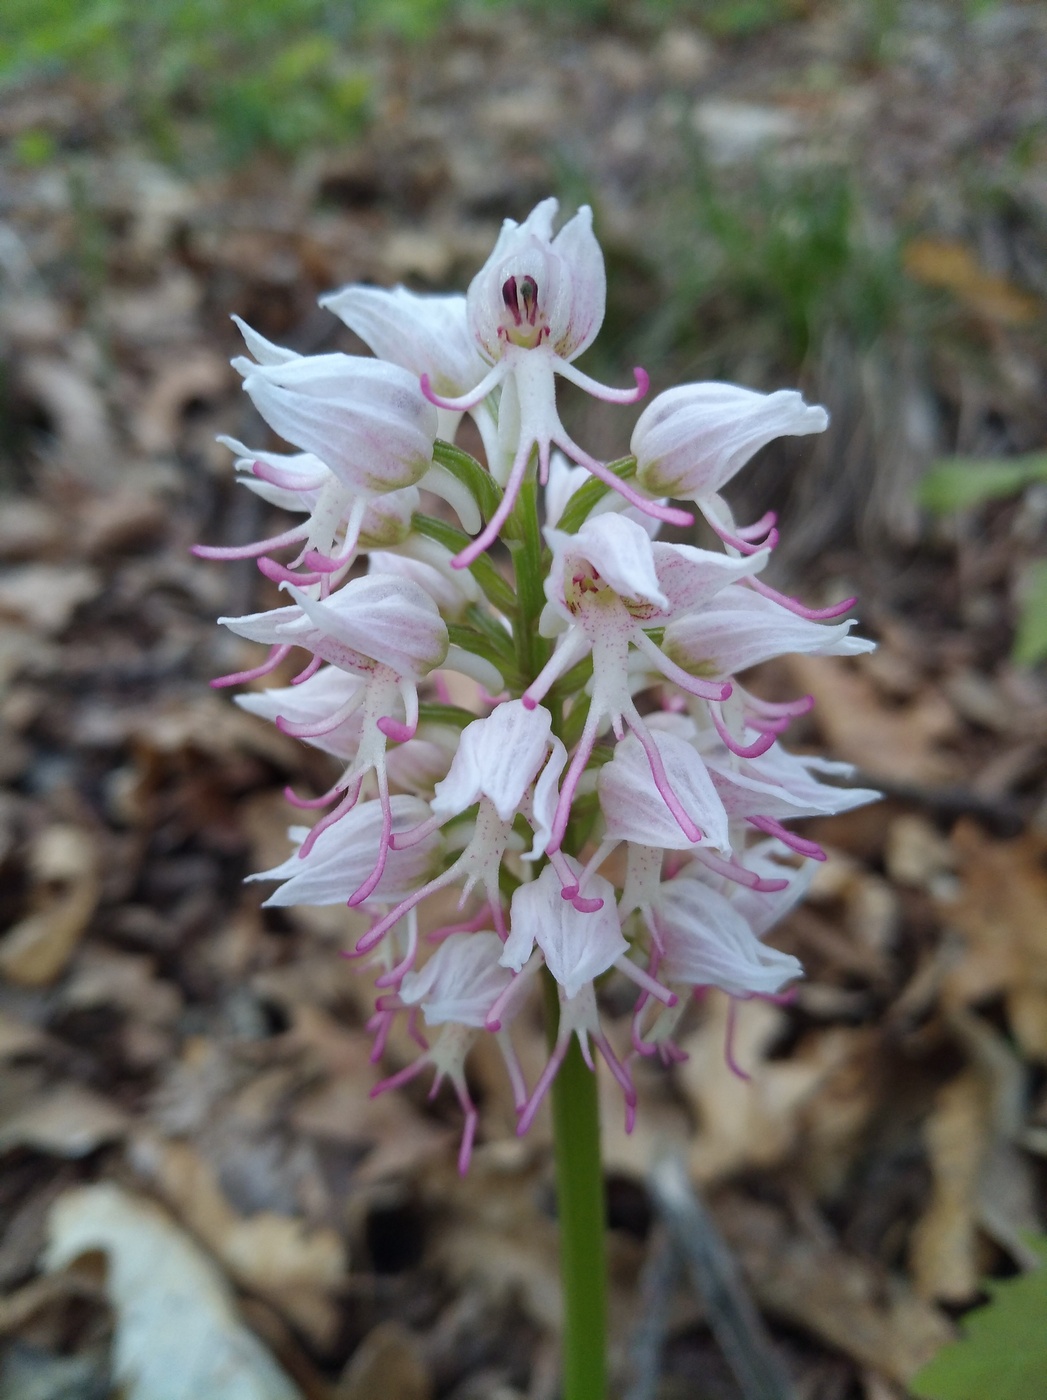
[(68, 1120), (938, 262), (18, 1307), (275, 1256), (1001, 916), (899, 744), (845, 1301), (198, 374), (944, 1248), (400, 1136), (28, 529), (916, 853), (64, 869), (488, 1232), (44, 597), (77, 410), (387, 1365), (759, 1122), (19, 1038)]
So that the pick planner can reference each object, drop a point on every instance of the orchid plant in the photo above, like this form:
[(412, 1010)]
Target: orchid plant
[(608, 716)]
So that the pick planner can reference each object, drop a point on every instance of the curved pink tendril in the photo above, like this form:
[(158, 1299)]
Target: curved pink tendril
[(464, 402), (736, 541), (661, 780), (347, 804), (465, 1151), (753, 750), (728, 1041), (311, 804), (794, 605), (396, 974), (316, 728), (380, 1024), (402, 1077), (276, 655), (402, 840), (604, 392), (641, 1046), (250, 551), (791, 708), (393, 729), (795, 843), (323, 563), (540, 1090), (731, 870), (280, 573), (759, 529), (493, 1019), (286, 481), (672, 515), (474, 925), (307, 672), (367, 888), (623, 1077)]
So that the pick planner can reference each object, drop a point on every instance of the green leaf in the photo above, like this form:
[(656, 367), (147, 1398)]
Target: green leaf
[(1030, 644), (472, 641), (475, 478), (495, 588), (435, 712), (966, 481), (1003, 1352), (578, 508)]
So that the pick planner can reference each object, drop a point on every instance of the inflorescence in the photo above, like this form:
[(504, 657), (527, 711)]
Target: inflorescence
[(608, 714)]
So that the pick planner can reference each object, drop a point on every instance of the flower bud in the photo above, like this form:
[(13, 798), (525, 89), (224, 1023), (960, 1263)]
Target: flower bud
[(690, 441), (365, 419)]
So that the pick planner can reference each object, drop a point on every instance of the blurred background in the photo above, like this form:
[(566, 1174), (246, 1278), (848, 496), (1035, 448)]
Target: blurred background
[(846, 196)]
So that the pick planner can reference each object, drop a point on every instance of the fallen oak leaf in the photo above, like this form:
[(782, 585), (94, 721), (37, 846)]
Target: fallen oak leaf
[(275, 1256), (177, 1333)]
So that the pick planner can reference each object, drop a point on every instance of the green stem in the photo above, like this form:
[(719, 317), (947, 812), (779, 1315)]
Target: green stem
[(581, 1209), (526, 548)]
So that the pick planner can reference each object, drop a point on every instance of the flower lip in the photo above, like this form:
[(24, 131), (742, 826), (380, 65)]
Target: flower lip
[(539, 291)]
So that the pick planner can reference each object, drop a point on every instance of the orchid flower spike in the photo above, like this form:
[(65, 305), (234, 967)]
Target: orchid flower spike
[(504, 725), (533, 307)]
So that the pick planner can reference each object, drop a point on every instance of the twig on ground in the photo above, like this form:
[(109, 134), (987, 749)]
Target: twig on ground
[(733, 1318), (661, 1272)]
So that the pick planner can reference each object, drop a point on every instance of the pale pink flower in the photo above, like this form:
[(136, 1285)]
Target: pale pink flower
[(498, 760), (533, 307), (456, 989), (382, 629), (702, 937), (608, 583), (576, 947), (341, 857)]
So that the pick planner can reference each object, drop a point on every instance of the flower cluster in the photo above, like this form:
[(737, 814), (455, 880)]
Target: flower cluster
[(608, 712)]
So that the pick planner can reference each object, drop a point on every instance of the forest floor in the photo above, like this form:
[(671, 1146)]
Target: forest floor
[(860, 212)]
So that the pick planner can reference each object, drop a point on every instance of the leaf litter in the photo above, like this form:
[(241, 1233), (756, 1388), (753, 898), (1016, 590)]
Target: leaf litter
[(184, 1077)]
